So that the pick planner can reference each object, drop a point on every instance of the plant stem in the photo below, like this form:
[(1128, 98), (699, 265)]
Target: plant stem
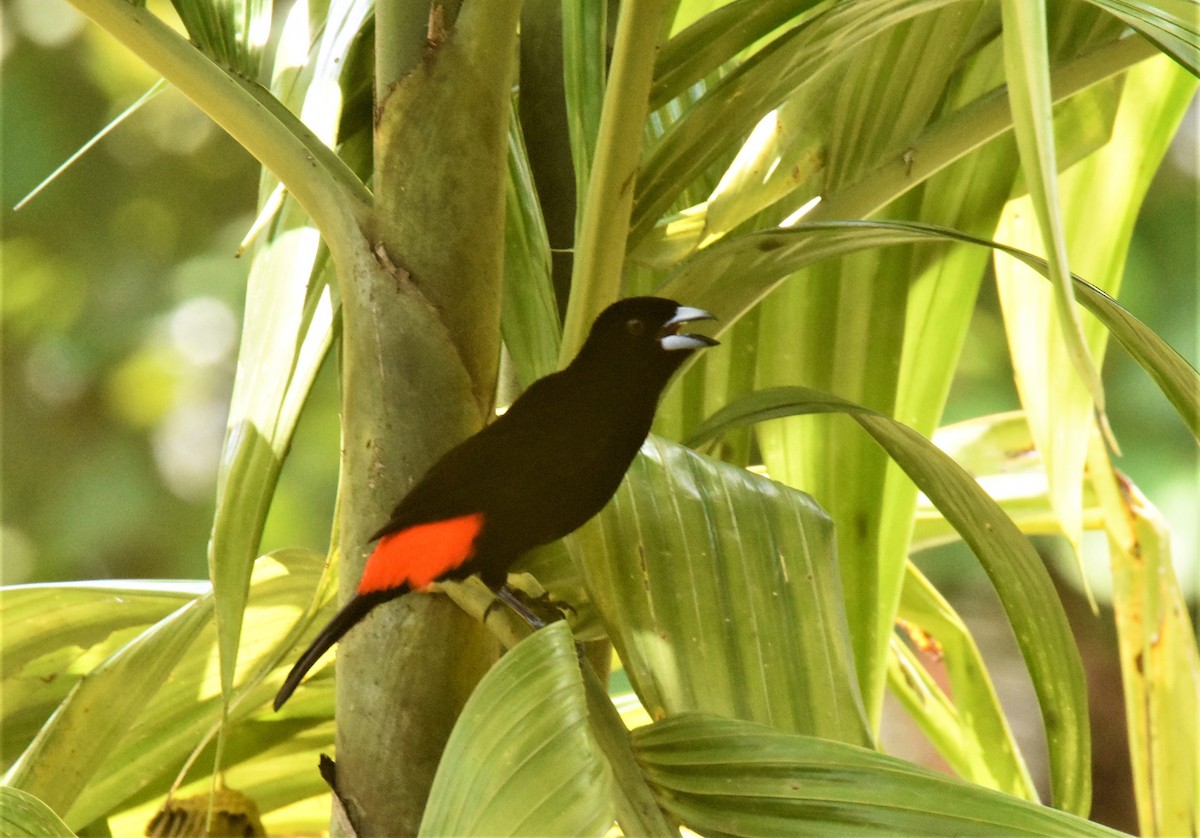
[(600, 247)]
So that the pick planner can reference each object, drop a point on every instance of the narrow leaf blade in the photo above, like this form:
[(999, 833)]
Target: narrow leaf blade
[(1027, 67)]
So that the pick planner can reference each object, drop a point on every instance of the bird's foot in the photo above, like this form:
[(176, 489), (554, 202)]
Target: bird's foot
[(537, 611)]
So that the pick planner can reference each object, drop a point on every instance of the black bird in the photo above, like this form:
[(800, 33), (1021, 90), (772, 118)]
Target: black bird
[(534, 475)]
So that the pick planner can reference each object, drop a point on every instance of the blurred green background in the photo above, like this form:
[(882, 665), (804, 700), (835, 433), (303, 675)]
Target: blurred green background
[(122, 297), (121, 302)]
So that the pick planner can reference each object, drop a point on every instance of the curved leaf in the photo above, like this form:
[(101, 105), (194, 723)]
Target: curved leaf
[(330, 192), (721, 593), (733, 275), (55, 633), (970, 730), (85, 729), (636, 809), (1171, 25), (24, 816), (187, 711), (130, 724), (313, 172), (520, 760), (32, 616), (730, 777), (1025, 588), (291, 301)]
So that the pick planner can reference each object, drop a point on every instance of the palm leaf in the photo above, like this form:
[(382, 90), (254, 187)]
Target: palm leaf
[(130, 725), (1160, 663), (1057, 405), (61, 762), (970, 730), (1027, 68), (720, 592), (760, 260), (45, 655), (528, 314), (729, 777), (24, 816), (520, 760), (1016, 571)]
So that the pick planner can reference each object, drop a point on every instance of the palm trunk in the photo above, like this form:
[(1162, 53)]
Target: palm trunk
[(420, 347)]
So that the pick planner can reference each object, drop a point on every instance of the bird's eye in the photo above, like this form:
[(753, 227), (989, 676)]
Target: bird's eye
[(635, 327)]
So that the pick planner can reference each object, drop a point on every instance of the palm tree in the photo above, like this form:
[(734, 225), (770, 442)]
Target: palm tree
[(835, 180)]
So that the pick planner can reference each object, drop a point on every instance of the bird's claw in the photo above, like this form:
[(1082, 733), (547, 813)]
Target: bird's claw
[(537, 611)]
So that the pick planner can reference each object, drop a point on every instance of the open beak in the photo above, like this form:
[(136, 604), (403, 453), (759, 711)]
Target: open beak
[(672, 338)]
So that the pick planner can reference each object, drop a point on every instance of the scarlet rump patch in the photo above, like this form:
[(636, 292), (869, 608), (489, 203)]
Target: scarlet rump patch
[(416, 556)]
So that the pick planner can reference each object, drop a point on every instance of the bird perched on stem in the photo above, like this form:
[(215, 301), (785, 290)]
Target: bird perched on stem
[(534, 475)]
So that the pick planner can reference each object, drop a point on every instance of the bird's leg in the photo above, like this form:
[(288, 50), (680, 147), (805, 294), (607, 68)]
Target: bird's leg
[(508, 595), (505, 594)]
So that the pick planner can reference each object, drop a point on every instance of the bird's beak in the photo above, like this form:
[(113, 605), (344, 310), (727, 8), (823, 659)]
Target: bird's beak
[(671, 337)]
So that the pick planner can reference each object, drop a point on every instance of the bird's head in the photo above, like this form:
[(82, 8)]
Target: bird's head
[(645, 335)]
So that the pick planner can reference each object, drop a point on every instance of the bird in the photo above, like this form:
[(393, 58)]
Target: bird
[(535, 474)]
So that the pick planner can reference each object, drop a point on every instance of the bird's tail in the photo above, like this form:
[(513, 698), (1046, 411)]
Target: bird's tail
[(351, 613)]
